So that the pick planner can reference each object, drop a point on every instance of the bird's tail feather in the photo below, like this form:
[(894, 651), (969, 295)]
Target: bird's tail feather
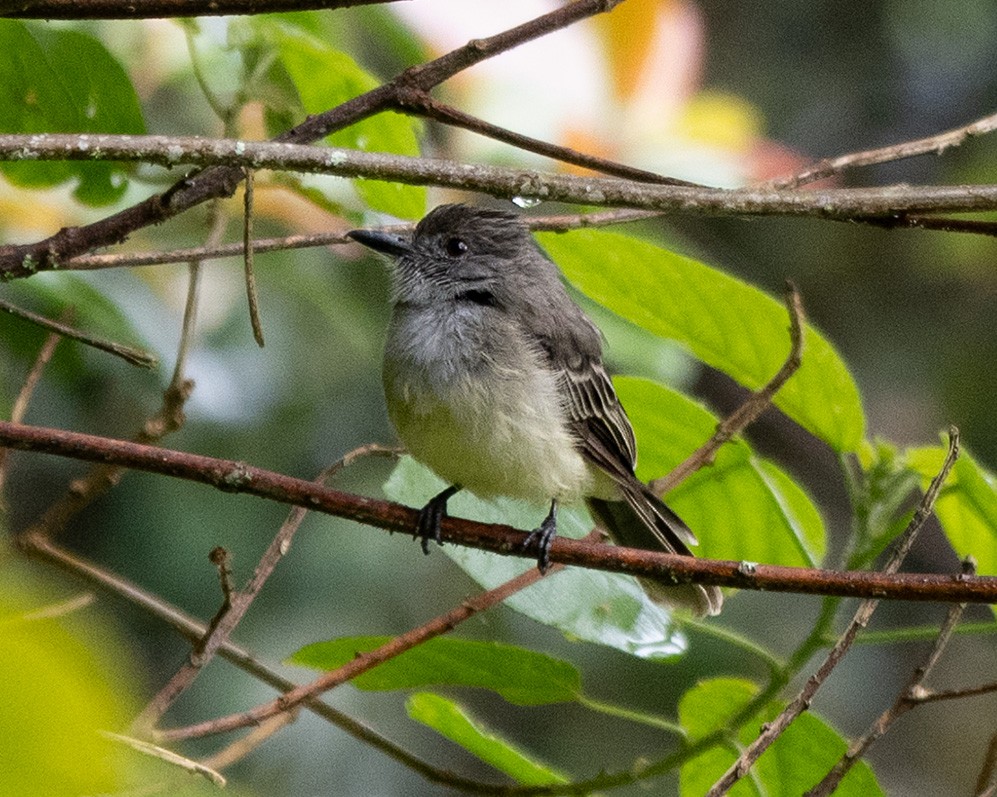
[(643, 521)]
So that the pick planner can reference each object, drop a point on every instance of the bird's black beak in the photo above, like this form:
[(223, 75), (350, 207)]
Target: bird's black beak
[(384, 242)]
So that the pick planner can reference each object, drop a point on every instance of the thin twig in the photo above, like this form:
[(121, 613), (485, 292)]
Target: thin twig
[(23, 399), (936, 695), (192, 190), (420, 102), (240, 748), (129, 354), (236, 604), (54, 610), (222, 560), (167, 419), (168, 756), (937, 144), (194, 631), (772, 730), (362, 663), (986, 783), (905, 701), (156, 9), (247, 243), (750, 409)]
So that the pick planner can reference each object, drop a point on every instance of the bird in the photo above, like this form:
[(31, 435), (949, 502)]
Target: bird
[(494, 379)]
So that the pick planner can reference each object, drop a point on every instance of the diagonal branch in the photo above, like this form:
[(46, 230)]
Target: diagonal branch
[(222, 181), (936, 144), (906, 700), (243, 659), (421, 103), (153, 9), (750, 409), (363, 662), (774, 729)]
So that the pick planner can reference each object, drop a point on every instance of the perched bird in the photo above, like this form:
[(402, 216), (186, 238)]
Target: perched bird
[(494, 379)]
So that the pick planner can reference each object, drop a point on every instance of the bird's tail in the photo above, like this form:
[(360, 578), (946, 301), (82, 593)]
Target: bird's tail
[(642, 520)]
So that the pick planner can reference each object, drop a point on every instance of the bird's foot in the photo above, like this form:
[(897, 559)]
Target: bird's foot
[(542, 537), (430, 517)]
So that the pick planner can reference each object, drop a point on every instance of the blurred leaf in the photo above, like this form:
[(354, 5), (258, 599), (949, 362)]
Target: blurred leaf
[(966, 506), (584, 604), (448, 719), (58, 693), (725, 322), (741, 506), (324, 78), (520, 676), (795, 762), (64, 81)]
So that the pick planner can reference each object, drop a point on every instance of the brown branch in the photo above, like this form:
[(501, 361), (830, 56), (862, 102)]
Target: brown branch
[(361, 664), (936, 144), (240, 748), (421, 103), (239, 477), (234, 608), (222, 181), (838, 204), (203, 253), (556, 223), (905, 701), (986, 783), (193, 630), (936, 695), (167, 419), (913, 221), (20, 406), (127, 353), (751, 408), (250, 274), (154, 9), (772, 730)]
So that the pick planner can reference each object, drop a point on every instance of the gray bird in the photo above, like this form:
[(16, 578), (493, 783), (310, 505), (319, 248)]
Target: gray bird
[(494, 379)]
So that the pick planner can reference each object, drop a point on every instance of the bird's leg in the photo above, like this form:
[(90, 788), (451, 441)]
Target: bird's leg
[(430, 516), (543, 536)]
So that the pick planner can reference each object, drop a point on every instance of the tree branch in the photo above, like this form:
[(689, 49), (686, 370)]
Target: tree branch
[(906, 700), (241, 658), (840, 204), (937, 144), (222, 181), (154, 9), (751, 408), (774, 729), (232, 476)]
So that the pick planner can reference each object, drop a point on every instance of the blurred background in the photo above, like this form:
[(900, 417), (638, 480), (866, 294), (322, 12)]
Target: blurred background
[(718, 92)]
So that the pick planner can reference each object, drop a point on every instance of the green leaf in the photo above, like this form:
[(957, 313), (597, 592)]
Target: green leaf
[(605, 608), (794, 763), (966, 506), (60, 690), (740, 507), (725, 322), (325, 78), (521, 676), (450, 720), (64, 81)]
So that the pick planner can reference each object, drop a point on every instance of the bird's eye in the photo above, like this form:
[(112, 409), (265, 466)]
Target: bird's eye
[(455, 247)]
